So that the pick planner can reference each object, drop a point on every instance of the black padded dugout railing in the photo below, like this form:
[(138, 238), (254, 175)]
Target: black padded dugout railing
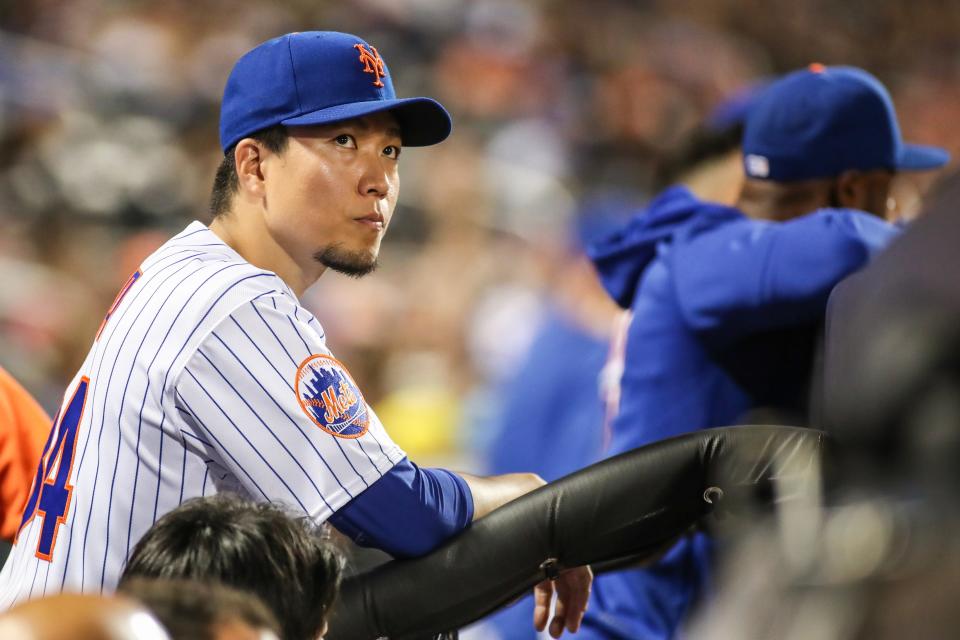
[(629, 506)]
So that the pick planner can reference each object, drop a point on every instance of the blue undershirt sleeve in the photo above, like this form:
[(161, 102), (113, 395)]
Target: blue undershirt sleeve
[(408, 511)]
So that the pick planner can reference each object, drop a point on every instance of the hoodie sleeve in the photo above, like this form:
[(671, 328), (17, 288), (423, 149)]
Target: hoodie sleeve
[(750, 276)]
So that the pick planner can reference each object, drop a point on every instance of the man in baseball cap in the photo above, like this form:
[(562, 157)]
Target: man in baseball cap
[(280, 99), (241, 392), (727, 302), (826, 136), (311, 130)]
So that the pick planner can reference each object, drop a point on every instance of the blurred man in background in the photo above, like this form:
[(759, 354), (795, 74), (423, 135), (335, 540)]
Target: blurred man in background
[(890, 399), (551, 420), (709, 162), (726, 302)]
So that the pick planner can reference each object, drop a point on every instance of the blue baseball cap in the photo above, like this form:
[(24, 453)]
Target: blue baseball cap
[(821, 121), (319, 77)]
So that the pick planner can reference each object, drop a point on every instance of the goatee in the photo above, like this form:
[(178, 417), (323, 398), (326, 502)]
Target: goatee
[(355, 264)]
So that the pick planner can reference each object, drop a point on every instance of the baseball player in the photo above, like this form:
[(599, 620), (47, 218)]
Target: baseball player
[(557, 411), (726, 302), (207, 375)]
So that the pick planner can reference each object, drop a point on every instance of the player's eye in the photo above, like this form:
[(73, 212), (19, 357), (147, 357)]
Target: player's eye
[(391, 151), (346, 140)]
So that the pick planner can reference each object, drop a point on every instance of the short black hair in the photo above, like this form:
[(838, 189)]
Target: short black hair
[(259, 548), (701, 146), (226, 183), (192, 610)]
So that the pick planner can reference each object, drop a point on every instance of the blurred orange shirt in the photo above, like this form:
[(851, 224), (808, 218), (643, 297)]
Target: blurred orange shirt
[(24, 428)]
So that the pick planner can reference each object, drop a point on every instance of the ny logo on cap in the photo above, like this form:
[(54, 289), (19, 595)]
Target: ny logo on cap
[(372, 63)]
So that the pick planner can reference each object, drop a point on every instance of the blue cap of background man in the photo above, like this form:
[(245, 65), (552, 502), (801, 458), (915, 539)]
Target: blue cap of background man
[(821, 121), (319, 77)]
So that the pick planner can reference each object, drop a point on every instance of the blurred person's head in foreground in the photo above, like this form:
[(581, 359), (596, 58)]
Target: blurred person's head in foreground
[(80, 617), (825, 137), (192, 610), (311, 131), (254, 547)]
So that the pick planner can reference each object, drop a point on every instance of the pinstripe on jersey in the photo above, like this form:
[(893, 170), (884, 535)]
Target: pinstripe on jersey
[(192, 391)]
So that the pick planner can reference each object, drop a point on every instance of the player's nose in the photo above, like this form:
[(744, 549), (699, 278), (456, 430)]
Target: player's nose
[(376, 180)]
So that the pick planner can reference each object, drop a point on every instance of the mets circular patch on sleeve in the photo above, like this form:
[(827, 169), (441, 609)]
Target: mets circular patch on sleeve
[(330, 397)]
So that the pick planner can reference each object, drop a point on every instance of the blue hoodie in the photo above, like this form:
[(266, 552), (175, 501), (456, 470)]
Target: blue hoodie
[(725, 309)]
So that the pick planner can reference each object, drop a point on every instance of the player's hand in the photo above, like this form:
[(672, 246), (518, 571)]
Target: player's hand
[(573, 591)]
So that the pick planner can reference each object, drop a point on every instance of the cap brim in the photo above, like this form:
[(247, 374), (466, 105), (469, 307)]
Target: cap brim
[(917, 157), (423, 121)]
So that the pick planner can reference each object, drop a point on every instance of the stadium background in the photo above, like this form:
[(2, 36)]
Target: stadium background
[(108, 114)]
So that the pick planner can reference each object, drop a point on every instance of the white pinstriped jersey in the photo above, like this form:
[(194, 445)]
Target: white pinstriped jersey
[(207, 375)]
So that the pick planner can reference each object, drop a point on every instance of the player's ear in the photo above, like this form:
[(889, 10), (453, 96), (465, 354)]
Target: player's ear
[(864, 191), (248, 157), (851, 189)]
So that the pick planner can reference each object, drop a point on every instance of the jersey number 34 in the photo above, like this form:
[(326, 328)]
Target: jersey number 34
[(50, 496), (51, 492)]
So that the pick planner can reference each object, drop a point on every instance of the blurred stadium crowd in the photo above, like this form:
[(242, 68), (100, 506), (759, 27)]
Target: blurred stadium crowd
[(565, 114)]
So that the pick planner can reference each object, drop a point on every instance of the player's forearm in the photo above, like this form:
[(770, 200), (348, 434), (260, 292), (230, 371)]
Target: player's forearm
[(495, 491)]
